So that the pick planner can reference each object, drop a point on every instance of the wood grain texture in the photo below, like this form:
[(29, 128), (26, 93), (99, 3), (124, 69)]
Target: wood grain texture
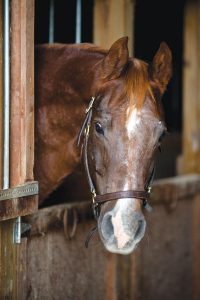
[(13, 208), (113, 19), (22, 92), (8, 262), (12, 264), (191, 95)]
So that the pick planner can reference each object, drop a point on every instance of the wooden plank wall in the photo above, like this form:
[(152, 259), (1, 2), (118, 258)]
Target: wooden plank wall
[(113, 19), (160, 268)]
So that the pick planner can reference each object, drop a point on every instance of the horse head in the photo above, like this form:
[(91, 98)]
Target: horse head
[(125, 126)]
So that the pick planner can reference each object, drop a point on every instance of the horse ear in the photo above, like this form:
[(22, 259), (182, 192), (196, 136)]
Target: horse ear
[(116, 59), (161, 67)]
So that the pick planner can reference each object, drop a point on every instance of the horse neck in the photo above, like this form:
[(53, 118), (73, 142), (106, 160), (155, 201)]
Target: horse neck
[(66, 79), (82, 73)]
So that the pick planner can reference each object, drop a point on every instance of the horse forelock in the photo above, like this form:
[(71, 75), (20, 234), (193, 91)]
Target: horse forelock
[(137, 83)]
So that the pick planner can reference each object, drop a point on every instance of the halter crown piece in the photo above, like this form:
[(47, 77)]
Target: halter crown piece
[(97, 200)]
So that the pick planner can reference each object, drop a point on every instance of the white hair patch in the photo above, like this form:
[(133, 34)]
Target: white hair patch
[(133, 120)]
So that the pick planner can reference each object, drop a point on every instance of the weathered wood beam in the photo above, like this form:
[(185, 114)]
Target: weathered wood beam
[(113, 19), (13, 208)]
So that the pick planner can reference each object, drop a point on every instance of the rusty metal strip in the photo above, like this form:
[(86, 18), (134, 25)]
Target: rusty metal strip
[(27, 189)]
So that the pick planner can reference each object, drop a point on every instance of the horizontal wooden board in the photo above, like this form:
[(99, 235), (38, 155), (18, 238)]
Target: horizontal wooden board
[(167, 192), (13, 208)]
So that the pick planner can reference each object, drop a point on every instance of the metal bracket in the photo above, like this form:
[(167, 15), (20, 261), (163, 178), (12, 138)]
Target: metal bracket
[(17, 230), (27, 189)]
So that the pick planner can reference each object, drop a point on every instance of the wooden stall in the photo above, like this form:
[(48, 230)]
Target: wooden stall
[(163, 266)]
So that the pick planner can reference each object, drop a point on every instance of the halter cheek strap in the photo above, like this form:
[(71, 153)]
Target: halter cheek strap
[(100, 199)]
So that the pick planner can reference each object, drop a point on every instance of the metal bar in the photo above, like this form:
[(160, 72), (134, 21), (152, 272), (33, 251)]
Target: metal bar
[(17, 230), (27, 189), (6, 58), (78, 20), (51, 21)]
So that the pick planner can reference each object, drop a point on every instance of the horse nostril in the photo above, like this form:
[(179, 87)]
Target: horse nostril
[(107, 226), (140, 230)]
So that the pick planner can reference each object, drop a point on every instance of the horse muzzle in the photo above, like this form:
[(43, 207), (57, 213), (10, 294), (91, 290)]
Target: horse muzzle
[(122, 227)]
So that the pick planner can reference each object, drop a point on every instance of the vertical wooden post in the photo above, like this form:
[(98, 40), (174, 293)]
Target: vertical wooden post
[(13, 256), (113, 19), (191, 83), (22, 92), (191, 121)]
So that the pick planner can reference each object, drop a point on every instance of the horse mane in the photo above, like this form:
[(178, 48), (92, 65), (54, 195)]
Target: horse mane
[(137, 82)]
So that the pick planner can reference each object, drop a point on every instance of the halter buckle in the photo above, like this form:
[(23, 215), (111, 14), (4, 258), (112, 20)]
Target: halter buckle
[(149, 190), (95, 205), (93, 196)]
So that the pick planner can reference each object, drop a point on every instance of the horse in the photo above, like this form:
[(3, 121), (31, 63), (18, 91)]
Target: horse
[(110, 103)]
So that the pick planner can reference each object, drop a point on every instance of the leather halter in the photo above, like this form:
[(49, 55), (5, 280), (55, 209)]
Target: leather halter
[(100, 199)]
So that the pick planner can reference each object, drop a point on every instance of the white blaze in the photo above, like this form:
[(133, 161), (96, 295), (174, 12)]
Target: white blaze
[(133, 120), (125, 205)]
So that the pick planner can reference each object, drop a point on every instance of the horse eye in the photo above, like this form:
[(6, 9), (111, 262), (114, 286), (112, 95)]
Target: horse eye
[(99, 128)]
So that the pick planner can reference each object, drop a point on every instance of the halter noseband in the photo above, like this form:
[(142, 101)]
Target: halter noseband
[(100, 199)]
